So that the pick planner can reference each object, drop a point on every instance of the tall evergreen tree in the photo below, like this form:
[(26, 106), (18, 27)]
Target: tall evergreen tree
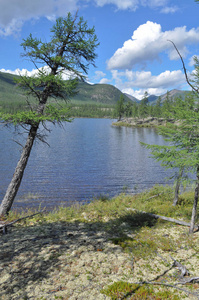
[(120, 108), (143, 106), (71, 50), (183, 149)]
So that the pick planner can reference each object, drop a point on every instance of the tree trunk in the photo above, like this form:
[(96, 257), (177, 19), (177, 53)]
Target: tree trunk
[(194, 210), (177, 188), (18, 174)]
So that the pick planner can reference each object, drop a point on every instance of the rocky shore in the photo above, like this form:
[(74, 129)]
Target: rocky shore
[(145, 122)]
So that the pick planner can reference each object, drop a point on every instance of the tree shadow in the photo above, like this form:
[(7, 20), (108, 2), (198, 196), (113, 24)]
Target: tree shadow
[(29, 255)]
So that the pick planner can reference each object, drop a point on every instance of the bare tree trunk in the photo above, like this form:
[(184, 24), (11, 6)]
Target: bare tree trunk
[(18, 174), (194, 210), (177, 188)]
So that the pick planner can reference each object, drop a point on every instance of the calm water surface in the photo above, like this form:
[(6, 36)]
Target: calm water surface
[(86, 158)]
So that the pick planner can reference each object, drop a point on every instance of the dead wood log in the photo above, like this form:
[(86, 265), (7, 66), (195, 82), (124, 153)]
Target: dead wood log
[(164, 218), (189, 280), (181, 268), (5, 224)]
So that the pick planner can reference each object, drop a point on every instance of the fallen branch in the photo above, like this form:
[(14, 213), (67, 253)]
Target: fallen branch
[(3, 226), (189, 280), (165, 218), (154, 196), (170, 285), (180, 267)]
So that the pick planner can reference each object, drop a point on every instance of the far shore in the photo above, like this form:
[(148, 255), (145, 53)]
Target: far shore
[(144, 122)]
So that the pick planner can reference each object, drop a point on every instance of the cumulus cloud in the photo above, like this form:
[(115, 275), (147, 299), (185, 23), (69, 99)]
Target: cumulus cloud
[(136, 83), (139, 94), (24, 72), (14, 13), (148, 41)]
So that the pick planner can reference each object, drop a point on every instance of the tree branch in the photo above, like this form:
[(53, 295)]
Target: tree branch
[(4, 225), (184, 68), (164, 218)]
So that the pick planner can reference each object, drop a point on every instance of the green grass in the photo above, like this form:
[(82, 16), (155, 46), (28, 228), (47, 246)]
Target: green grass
[(115, 215), (118, 209)]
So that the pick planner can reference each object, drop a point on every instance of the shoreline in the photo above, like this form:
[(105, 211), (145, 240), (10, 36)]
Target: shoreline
[(144, 122)]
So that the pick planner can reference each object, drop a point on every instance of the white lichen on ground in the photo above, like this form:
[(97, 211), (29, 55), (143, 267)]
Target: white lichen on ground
[(76, 260), (74, 254)]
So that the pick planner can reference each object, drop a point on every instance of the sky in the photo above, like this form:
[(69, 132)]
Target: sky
[(134, 53)]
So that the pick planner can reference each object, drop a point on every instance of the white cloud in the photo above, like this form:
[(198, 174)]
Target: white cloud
[(136, 83), (191, 61), (133, 4), (120, 4), (24, 72), (140, 93), (169, 9), (14, 13), (148, 41), (105, 81), (163, 80), (98, 75), (20, 72)]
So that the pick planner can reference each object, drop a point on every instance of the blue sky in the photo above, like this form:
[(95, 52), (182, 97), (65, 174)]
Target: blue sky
[(134, 53)]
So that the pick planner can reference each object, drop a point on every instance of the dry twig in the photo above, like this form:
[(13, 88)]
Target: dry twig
[(4, 225)]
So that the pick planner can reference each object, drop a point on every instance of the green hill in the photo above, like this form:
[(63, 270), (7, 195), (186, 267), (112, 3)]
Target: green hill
[(98, 93), (103, 95)]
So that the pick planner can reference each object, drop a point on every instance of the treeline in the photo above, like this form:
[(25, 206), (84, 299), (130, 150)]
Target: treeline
[(88, 110), (144, 109), (91, 111)]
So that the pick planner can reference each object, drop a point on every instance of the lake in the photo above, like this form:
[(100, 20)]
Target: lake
[(86, 158)]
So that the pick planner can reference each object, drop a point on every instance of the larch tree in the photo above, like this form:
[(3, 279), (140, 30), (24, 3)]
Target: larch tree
[(120, 109), (71, 50), (182, 151)]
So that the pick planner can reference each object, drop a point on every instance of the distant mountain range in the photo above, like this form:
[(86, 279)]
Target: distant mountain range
[(152, 98), (104, 94)]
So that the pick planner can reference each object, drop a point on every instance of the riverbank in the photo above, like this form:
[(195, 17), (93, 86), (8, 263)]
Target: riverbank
[(144, 122), (100, 250)]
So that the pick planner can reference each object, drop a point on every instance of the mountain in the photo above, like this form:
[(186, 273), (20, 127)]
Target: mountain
[(98, 93), (175, 93), (103, 94), (152, 98), (131, 97)]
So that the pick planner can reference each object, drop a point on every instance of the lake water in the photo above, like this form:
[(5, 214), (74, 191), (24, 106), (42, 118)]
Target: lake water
[(86, 158)]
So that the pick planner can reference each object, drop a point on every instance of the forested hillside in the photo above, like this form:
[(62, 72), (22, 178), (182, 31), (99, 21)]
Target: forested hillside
[(91, 100)]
